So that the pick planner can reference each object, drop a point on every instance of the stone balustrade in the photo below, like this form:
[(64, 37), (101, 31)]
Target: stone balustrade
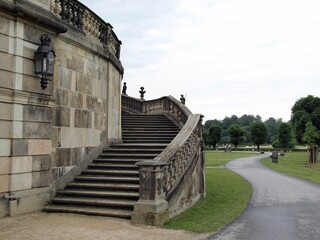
[(162, 178), (82, 18)]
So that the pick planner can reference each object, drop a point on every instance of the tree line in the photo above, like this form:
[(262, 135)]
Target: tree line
[(303, 128)]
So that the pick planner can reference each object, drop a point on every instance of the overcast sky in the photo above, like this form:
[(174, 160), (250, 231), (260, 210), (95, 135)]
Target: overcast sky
[(228, 56)]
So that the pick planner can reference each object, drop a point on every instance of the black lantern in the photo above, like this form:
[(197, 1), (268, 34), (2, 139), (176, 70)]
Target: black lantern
[(44, 60)]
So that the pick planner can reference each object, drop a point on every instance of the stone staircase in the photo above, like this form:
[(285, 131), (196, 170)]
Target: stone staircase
[(110, 184)]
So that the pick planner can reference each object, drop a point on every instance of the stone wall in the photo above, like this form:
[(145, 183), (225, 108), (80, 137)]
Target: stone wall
[(46, 133)]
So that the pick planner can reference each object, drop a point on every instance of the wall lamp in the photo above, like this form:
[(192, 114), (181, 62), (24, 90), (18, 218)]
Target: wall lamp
[(44, 58)]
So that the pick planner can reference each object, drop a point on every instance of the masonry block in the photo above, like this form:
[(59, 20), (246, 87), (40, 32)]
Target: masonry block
[(61, 116), (63, 157), (5, 129), (82, 119), (4, 183), (6, 62), (41, 163), (19, 147), (36, 130), (21, 164), (39, 147), (5, 25), (4, 165), (62, 97), (75, 100), (37, 114), (20, 181), (41, 179), (6, 79), (65, 78), (75, 63)]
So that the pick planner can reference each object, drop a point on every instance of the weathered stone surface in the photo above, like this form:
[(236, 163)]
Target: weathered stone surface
[(61, 116), (6, 62), (28, 66), (32, 84), (41, 163), (17, 129), (56, 137), (79, 82), (75, 100), (36, 130), (41, 179), (20, 181), (6, 79), (62, 97), (4, 183), (63, 157), (82, 119), (6, 111), (75, 63), (5, 25), (4, 165), (39, 147), (92, 69), (21, 164), (37, 114), (19, 147), (42, 3), (33, 34), (77, 155), (5, 129), (65, 78), (87, 85), (4, 42)]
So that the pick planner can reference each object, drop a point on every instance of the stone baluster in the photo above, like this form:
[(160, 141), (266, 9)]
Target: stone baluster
[(55, 7)]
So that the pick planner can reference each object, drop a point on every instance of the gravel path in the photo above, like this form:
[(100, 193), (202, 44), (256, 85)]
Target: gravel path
[(281, 207), (53, 226)]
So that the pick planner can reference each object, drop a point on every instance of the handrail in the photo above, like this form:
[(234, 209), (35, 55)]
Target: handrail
[(82, 18)]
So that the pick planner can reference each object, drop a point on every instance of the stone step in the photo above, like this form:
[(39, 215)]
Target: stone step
[(113, 166), (105, 186), (116, 161), (138, 146), (128, 156), (110, 172), (132, 150), (99, 194), (94, 202), (108, 212), (147, 141), (108, 179)]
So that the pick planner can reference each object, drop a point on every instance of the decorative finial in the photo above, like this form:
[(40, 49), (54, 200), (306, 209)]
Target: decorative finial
[(142, 92)]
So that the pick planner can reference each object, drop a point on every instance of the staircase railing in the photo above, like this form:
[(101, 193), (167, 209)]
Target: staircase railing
[(83, 19), (161, 177)]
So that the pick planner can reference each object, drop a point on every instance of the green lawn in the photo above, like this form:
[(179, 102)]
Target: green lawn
[(295, 164), (217, 158), (227, 196)]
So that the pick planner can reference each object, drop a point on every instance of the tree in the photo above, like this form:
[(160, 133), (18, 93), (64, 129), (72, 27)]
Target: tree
[(306, 110), (259, 133), (310, 137), (215, 134), (236, 134), (285, 136)]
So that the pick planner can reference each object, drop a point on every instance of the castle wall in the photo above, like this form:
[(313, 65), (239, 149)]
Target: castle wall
[(46, 133)]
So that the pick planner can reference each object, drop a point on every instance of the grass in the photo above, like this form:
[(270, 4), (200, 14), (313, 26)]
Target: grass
[(227, 197), (295, 164), (218, 158)]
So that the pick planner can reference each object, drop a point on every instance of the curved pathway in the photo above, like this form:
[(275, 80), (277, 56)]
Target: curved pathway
[(281, 208)]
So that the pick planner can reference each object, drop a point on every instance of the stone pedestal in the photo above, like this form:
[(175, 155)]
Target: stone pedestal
[(154, 213)]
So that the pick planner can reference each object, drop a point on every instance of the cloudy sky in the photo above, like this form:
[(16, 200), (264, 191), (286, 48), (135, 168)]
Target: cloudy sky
[(227, 56)]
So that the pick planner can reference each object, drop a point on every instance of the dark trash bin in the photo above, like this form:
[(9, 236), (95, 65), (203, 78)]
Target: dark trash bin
[(274, 157)]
